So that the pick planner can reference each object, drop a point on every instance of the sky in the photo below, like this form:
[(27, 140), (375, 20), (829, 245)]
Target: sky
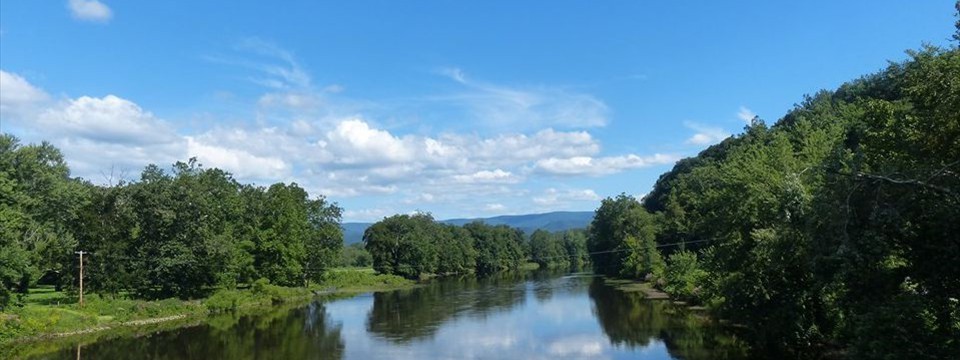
[(460, 109)]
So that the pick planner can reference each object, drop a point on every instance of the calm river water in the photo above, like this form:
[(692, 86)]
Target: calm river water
[(519, 316)]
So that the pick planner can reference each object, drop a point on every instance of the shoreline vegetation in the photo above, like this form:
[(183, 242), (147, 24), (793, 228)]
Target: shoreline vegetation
[(830, 233), (49, 315), (54, 318)]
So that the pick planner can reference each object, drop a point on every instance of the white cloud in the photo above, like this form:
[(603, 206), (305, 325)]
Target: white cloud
[(355, 142), (108, 119), (281, 69), (374, 214), (520, 148), (705, 135), (553, 197), (293, 100), (487, 176), (327, 153), (586, 165), (237, 161), (746, 114), (17, 95), (89, 10), (495, 207), (532, 107), (454, 73), (422, 198)]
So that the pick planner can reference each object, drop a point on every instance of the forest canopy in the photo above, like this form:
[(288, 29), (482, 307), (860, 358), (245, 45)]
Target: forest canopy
[(837, 226), (177, 233)]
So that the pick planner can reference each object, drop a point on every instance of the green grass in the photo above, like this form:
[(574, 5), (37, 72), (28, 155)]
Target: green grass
[(47, 295), (365, 270), (362, 280)]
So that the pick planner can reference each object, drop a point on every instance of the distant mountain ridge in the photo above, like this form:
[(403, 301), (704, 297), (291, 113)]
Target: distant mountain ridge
[(551, 221)]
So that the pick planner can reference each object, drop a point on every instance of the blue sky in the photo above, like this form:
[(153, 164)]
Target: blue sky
[(461, 109)]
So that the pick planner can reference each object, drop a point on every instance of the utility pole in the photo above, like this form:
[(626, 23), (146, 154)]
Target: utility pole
[(81, 252)]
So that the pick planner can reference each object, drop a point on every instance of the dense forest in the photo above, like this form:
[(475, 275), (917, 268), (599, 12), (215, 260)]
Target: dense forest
[(180, 233), (834, 229), (417, 245)]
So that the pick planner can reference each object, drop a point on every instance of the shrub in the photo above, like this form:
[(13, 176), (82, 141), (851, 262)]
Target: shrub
[(683, 276)]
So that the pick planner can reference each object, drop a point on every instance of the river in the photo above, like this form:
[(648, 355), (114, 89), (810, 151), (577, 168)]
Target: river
[(534, 315)]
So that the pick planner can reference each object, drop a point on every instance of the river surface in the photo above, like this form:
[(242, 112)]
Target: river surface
[(533, 315)]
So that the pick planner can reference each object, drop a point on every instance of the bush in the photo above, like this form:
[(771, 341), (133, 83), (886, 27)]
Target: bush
[(223, 301), (361, 279), (683, 276)]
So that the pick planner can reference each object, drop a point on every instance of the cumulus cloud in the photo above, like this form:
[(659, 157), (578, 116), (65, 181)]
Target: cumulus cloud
[(355, 142), (17, 95), (108, 119), (591, 166), (238, 161), (338, 156), (513, 149), (705, 135), (89, 10), (746, 114), (487, 176), (553, 197)]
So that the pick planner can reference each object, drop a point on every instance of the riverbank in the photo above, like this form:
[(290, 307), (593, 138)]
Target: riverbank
[(48, 314), (646, 288)]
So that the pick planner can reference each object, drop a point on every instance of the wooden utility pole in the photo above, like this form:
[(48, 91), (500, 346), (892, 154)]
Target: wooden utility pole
[(81, 252)]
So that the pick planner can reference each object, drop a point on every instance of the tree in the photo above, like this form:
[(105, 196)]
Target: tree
[(620, 236), (545, 250), (575, 247), (325, 238), (455, 253), (38, 204), (498, 247), (403, 245), (355, 255)]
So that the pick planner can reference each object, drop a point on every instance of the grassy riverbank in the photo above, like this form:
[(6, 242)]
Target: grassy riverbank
[(47, 313)]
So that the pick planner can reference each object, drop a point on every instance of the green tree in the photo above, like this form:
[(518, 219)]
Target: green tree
[(38, 204), (455, 253), (498, 247), (546, 249), (621, 238), (355, 255), (403, 245)]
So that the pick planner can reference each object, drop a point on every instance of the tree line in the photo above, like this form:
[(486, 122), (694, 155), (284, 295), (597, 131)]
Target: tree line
[(838, 227), (177, 233), (416, 245)]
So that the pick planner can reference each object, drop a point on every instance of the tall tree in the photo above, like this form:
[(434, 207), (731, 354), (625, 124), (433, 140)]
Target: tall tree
[(620, 235), (403, 244)]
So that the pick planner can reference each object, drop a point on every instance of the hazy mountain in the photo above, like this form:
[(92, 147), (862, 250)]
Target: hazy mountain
[(552, 221)]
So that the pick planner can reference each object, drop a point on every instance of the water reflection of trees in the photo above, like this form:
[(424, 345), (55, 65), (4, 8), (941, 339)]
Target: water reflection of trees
[(406, 315), (303, 333), (630, 320)]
